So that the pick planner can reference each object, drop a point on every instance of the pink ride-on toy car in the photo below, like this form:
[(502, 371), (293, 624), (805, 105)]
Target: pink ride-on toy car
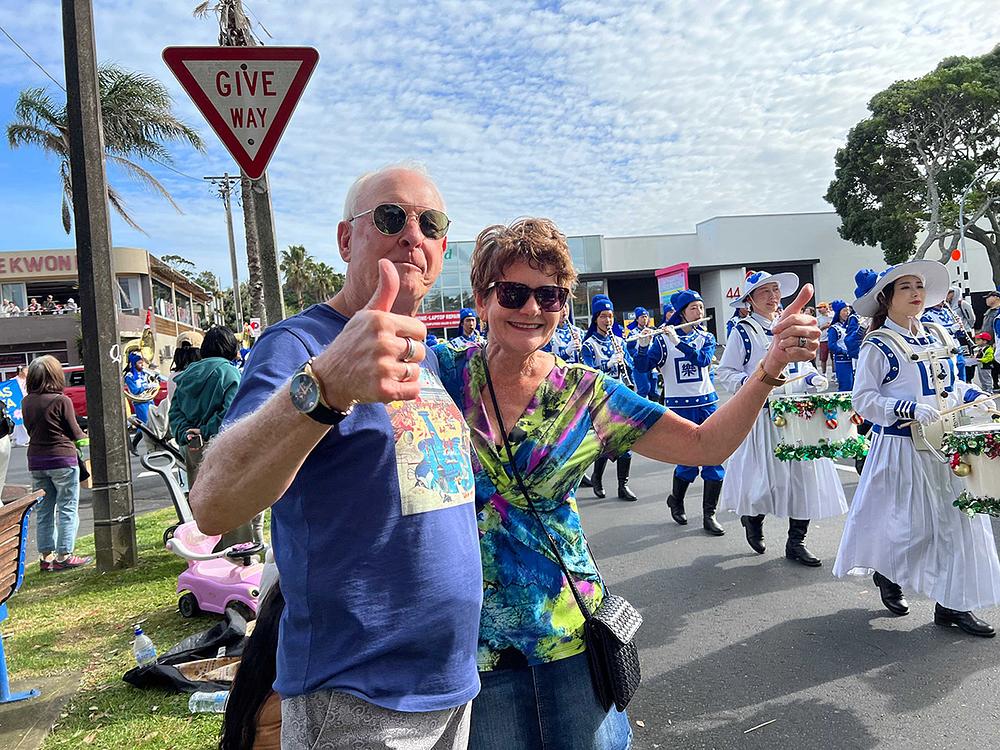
[(215, 581)]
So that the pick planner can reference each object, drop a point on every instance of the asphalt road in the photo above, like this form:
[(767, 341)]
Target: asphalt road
[(733, 640), (149, 491)]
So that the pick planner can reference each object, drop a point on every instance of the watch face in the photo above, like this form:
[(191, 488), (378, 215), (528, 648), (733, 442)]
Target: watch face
[(305, 392)]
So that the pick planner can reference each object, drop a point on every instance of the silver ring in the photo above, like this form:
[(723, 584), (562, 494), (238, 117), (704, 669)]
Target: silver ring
[(802, 342), (411, 349), (406, 374)]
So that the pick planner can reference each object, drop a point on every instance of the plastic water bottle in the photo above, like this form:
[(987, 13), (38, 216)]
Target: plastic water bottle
[(143, 649), (208, 703)]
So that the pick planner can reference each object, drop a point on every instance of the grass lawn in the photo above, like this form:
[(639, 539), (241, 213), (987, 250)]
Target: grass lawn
[(81, 621)]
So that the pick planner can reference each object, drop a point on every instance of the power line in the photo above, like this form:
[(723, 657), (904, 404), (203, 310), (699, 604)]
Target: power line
[(37, 64)]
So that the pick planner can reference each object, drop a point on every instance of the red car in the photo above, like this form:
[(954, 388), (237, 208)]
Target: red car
[(77, 392)]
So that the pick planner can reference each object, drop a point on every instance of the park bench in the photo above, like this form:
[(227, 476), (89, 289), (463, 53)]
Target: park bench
[(17, 504)]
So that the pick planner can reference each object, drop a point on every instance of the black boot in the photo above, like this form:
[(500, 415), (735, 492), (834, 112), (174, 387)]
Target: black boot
[(892, 595), (794, 547), (754, 526), (597, 477), (965, 621), (709, 502), (585, 482), (624, 464), (675, 500)]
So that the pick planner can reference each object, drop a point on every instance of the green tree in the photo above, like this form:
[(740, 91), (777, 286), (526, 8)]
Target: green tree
[(326, 283), (180, 264), (137, 120), (299, 269), (903, 169)]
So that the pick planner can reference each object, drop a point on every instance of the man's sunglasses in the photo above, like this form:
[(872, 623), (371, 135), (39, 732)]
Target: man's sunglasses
[(390, 218), (513, 295)]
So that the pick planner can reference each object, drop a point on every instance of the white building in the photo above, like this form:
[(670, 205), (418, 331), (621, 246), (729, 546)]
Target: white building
[(719, 253)]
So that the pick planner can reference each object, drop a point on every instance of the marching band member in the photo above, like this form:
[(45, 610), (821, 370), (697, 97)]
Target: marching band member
[(943, 314), (684, 358), (467, 332), (903, 529), (646, 381), (758, 483), (739, 313), (605, 350), (567, 340), (843, 363)]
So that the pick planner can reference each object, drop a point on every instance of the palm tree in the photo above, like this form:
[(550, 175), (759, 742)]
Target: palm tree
[(137, 120), (327, 282), (299, 270)]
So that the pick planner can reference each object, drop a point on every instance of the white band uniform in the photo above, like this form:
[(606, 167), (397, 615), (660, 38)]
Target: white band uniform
[(905, 495), (756, 481)]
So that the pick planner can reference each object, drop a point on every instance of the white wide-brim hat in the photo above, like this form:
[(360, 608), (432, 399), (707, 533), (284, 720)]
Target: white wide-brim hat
[(870, 284), (788, 284)]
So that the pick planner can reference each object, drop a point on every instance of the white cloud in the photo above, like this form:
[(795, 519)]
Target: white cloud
[(610, 117)]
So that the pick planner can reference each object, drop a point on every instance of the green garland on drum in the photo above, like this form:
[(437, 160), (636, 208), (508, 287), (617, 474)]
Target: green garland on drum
[(808, 404), (975, 445), (971, 505), (853, 447)]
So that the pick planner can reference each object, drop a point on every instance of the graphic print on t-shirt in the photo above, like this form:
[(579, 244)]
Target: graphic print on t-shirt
[(432, 450)]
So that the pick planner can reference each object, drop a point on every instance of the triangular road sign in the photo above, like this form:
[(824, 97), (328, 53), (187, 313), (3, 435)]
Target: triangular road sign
[(247, 94)]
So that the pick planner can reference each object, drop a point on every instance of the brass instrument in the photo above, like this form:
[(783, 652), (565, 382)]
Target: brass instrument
[(146, 346)]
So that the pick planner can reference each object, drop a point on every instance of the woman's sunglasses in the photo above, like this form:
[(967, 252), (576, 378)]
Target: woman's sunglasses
[(513, 295), (390, 218)]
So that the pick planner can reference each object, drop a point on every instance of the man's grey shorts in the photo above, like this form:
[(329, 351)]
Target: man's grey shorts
[(330, 720)]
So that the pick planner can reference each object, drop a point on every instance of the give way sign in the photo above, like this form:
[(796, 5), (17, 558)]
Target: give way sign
[(247, 94)]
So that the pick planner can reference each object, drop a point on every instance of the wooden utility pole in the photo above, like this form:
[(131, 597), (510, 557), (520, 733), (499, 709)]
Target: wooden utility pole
[(114, 513), (270, 271), (225, 184)]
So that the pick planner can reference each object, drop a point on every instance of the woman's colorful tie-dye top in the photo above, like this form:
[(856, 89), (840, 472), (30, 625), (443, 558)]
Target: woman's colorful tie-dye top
[(529, 614)]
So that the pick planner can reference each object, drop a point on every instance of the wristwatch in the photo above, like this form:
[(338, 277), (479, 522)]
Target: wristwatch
[(763, 377), (307, 396)]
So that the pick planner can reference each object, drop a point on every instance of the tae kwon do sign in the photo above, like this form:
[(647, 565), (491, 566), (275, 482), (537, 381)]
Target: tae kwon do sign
[(247, 94)]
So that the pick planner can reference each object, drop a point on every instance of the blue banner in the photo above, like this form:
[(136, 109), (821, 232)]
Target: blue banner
[(10, 392)]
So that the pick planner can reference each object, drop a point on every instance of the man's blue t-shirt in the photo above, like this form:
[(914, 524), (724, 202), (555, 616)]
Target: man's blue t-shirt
[(375, 539)]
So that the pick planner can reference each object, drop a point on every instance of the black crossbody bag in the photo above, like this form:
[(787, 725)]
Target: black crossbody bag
[(609, 631)]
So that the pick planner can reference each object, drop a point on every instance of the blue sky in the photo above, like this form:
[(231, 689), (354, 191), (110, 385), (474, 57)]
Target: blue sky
[(610, 117)]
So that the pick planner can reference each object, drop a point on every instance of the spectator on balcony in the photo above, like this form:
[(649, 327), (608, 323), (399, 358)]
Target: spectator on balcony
[(33, 307), (71, 306), (9, 309), (50, 305)]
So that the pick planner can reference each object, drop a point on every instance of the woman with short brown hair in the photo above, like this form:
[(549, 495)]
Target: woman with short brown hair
[(555, 419), (54, 463)]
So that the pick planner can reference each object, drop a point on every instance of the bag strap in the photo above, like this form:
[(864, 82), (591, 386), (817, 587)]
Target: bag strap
[(587, 614)]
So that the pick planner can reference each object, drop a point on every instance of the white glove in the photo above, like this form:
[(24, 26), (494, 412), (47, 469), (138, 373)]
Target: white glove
[(615, 359), (925, 414), (570, 349), (645, 338), (818, 383), (986, 406), (671, 333)]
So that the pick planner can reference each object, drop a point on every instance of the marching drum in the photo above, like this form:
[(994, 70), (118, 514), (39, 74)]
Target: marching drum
[(975, 452), (810, 426)]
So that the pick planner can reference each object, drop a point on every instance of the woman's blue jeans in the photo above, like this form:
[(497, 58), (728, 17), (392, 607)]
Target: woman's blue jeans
[(547, 707), (58, 512)]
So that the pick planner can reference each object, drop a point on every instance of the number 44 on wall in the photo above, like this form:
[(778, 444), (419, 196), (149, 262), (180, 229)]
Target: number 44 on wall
[(733, 293)]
